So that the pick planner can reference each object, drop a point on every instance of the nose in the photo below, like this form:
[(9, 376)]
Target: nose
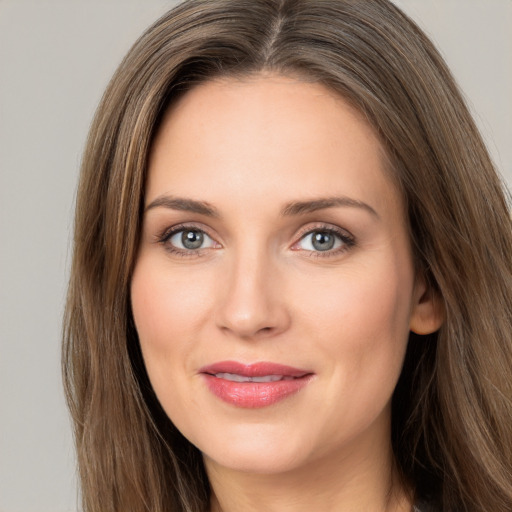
[(253, 304)]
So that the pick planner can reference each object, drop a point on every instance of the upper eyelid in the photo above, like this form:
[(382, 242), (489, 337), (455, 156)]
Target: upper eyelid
[(165, 236), (327, 226), (172, 230), (346, 237)]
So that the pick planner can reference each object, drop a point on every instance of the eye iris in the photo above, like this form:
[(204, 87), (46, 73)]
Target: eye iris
[(323, 241), (192, 239)]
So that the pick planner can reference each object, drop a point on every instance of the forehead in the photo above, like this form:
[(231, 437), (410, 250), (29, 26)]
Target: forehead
[(271, 136)]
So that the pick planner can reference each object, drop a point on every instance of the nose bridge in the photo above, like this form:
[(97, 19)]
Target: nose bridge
[(251, 305)]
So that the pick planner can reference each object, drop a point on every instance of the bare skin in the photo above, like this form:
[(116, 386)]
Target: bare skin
[(273, 232)]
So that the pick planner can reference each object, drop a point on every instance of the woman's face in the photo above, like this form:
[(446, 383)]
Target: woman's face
[(274, 288)]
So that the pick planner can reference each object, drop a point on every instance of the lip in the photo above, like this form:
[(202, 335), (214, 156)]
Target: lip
[(252, 395)]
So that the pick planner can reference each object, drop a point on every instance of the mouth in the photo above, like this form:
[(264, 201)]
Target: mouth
[(233, 377), (256, 385)]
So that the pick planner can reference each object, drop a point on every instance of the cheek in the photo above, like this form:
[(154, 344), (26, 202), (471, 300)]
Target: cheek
[(167, 313), (169, 310), (362, 304), (167, 306), (361, 324)]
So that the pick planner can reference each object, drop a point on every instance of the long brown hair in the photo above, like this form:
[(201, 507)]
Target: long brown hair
[(452, 409)]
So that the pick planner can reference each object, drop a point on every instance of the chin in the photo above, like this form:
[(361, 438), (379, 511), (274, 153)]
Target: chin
[(256, 461), (257, 450)]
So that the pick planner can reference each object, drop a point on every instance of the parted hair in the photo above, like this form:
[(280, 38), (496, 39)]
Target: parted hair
[(452, 408)]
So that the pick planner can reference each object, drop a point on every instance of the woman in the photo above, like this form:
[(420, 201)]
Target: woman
[(291, 285)]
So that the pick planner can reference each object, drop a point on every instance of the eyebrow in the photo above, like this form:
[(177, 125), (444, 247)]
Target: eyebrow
[(303, 207), (291, 209), (187, 205)]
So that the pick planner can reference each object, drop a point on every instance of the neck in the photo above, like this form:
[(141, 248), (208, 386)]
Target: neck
[(354, 480)]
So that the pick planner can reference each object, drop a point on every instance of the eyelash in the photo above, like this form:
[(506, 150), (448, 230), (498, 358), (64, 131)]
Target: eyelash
[(347, 240), (169, 233)]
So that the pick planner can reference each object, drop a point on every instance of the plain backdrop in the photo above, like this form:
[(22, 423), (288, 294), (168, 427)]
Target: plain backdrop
[(56, 58)]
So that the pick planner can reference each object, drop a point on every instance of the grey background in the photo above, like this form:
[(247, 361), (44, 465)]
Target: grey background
[(56, 57)]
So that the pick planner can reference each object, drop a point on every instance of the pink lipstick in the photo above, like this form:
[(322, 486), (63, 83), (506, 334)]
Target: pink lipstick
[(254, 385)]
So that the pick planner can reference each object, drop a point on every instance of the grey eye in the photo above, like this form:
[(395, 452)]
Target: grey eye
[(323, 241), (191, 239), (320, 241)]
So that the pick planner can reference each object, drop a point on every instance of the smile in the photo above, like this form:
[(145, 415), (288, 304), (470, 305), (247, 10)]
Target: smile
[(256, 385)]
